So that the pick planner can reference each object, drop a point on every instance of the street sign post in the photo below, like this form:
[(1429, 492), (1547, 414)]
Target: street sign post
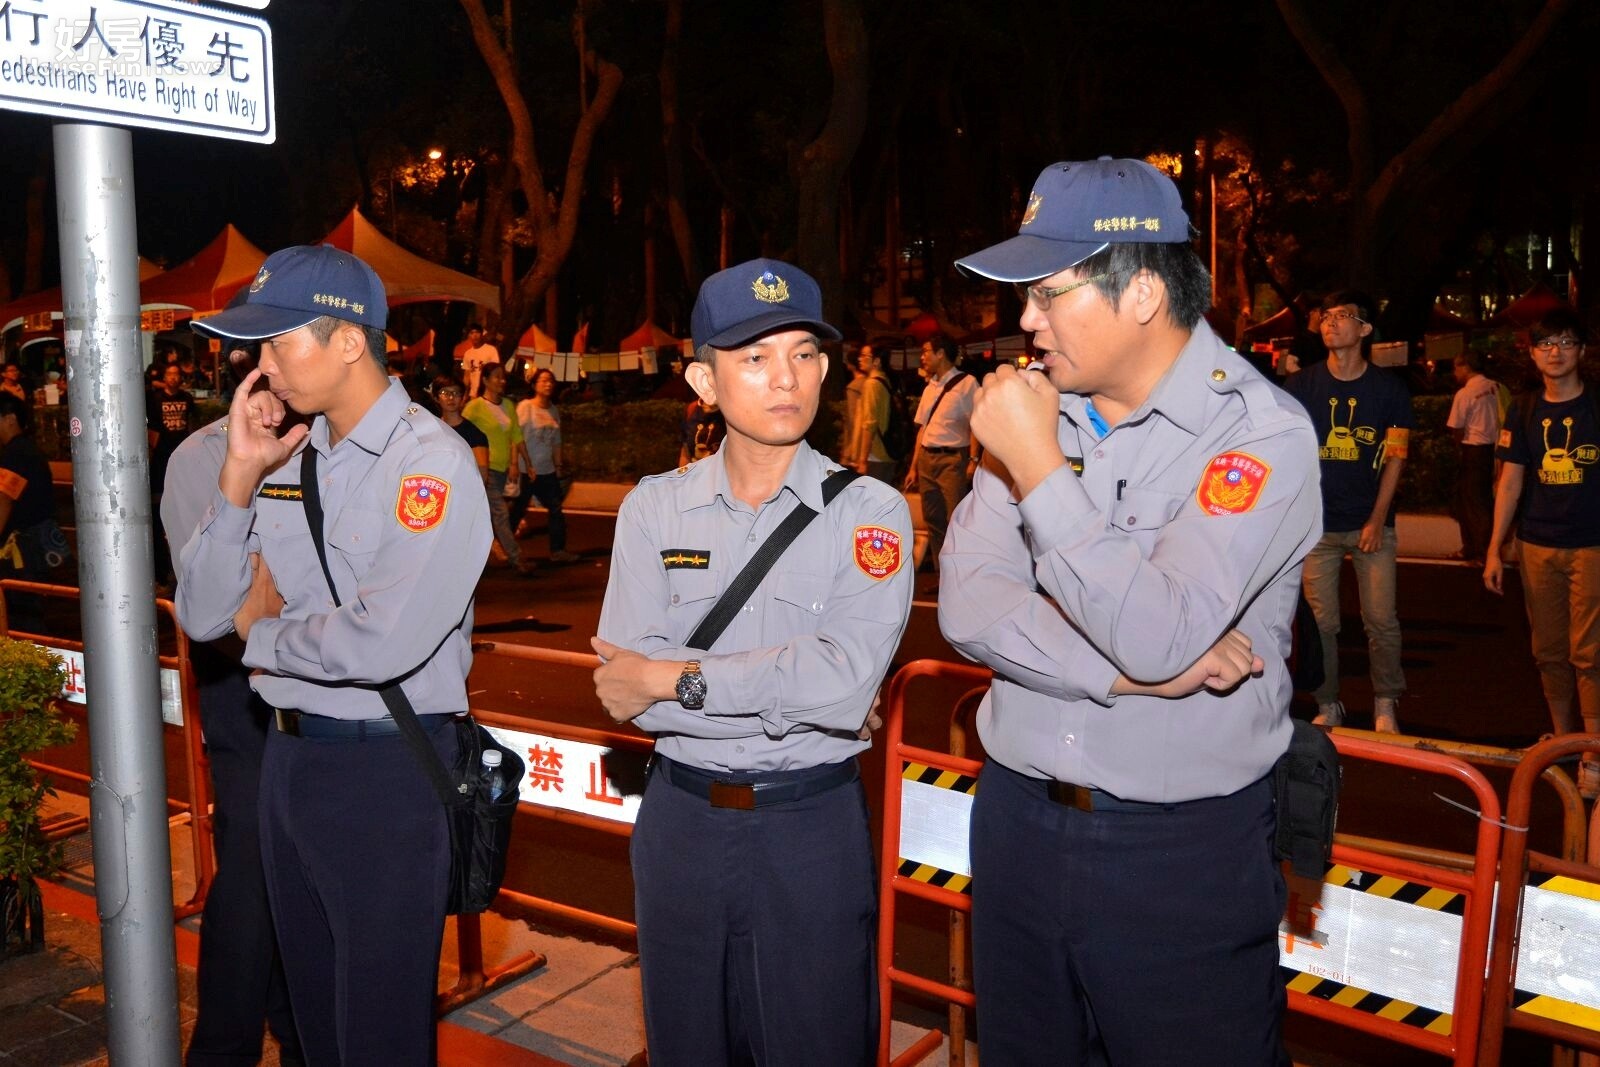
[(165, 66)]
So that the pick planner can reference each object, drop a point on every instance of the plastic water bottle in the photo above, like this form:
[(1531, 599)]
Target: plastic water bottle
[(491, 774)]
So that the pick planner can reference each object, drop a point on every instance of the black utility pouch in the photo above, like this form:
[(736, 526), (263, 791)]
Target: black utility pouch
[(1306, 787)]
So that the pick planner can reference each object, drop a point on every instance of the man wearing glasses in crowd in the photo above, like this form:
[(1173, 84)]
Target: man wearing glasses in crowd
[(1363, 421), (1555, 432), (1128, 563)]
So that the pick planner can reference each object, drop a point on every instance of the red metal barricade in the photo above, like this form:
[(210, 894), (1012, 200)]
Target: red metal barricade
[(1455, 1037), (1557, 1016), (893, 882), (196, 768), (474, 979)]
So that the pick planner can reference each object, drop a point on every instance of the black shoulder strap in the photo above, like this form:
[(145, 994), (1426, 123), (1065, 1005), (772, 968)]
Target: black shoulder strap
[(955, 380), (394, 698), (734, 597)]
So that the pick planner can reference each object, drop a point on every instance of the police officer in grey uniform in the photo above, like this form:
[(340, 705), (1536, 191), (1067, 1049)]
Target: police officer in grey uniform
[(239, 980), (354, 839), (1127, 563), (752, 863)]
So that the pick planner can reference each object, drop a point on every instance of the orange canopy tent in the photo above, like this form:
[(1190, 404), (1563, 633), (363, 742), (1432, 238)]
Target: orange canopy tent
[(208, 280), (535, 340), (648, 336), (408, 278), (48, 301), (1530, 307)]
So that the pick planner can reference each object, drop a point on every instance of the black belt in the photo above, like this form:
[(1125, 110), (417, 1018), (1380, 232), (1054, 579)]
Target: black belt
[(746, 793), (938, 450), (322, 728), (1084, 798)]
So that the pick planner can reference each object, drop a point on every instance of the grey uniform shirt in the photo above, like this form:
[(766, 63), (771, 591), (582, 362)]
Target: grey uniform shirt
[(792, 678), (407, 535), (192, 473), (1191, 517)]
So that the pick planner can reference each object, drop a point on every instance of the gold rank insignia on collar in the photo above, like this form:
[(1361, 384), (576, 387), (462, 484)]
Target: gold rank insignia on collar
[(1076, 463), (693, 559), (280, 492)]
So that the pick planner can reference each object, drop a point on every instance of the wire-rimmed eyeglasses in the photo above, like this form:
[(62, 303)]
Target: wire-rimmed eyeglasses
[(1040, 296)]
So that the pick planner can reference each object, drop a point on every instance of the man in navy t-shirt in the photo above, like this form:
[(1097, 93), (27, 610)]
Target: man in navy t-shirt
[(1550, 444), (1363, 418)]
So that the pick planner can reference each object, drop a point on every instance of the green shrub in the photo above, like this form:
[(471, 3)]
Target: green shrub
[(1429, 479), (30, 683)]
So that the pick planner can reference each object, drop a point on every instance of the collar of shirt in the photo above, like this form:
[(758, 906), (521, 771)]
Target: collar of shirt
[(944, 379), (708, 479), (372, 433), (1182, 396)]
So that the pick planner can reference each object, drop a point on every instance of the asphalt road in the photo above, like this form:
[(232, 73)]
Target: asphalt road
[(1466, 657)]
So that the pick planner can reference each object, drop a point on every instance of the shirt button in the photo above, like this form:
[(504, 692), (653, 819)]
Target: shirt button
[(1131, 520), (674, 598), (751, 538), (816, 606), (749, 607), (1068, 739), (738, 748), (1099, 453)]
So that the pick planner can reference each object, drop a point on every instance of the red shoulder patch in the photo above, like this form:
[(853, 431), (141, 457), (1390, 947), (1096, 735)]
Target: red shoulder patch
[(877, 552), (421, 504), (1231, 484)]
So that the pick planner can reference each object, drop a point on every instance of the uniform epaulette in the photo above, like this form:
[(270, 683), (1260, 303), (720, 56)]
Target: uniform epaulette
[(424, 424)]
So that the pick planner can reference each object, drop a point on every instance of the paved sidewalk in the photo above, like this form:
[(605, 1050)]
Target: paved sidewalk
[(582, 1007)]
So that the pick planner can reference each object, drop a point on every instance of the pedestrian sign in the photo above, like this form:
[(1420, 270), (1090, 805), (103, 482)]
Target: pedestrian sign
[(165, 66)]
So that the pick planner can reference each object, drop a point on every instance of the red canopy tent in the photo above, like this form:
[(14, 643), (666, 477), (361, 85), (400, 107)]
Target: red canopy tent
[(535, 340), (209, 280), (408, 278), (1530, 307), (49, 300), (648, 335)]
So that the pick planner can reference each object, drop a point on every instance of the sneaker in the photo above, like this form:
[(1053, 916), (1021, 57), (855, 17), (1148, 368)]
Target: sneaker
[(1331, 714), (565, 557), (1589, 777), (1385, 719)]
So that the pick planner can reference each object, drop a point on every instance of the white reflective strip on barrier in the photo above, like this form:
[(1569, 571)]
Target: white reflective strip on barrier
[(933, 826), (1558, 952), (76, 689), (567, 774), (1402, 951)]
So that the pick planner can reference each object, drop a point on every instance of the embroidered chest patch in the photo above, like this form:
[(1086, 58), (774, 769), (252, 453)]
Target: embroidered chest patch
[(421, 504), (1231, 484), (693, 559), (877, 552), (280, 492)]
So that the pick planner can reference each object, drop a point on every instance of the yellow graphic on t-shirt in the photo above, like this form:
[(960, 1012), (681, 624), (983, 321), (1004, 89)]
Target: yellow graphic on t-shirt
[(1560, 465), (1343, 442)]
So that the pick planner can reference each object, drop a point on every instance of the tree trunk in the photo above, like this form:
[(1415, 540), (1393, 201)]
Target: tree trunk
[(1377, 196), (554, 223), (672, 150), (821, 165)]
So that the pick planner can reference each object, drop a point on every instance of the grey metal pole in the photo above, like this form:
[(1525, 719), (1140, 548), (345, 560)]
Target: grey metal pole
[(111, 497)]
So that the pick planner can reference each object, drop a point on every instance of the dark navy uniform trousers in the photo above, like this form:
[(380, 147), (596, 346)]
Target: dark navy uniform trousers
[(1135, 935), (357, 856), (757, 929), (240, 979)]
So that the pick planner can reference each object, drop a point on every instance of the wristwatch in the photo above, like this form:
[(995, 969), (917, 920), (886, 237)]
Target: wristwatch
[(692, 686)]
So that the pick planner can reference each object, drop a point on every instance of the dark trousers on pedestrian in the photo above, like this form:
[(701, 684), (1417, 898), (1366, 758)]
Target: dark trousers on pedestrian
[(1474, 503), (240, 978), (357, 857), (1130, 935), (757, 929), (546, 488), (941, 483)]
